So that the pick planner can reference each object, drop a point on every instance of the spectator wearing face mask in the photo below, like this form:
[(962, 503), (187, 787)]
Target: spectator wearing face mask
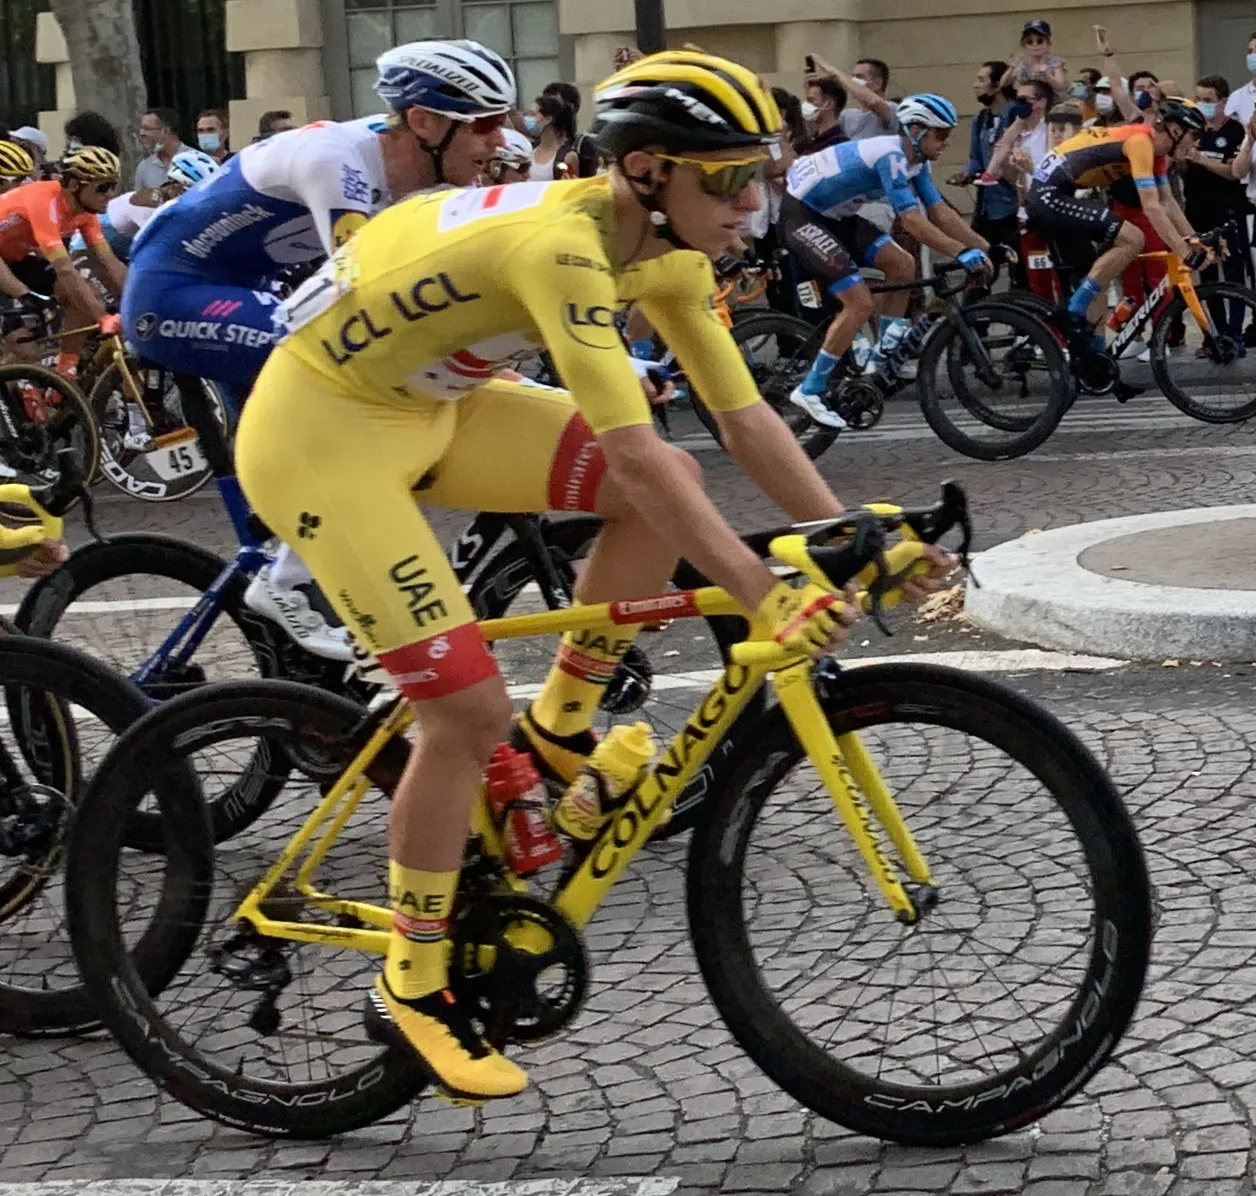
[(552, 126), (994, 216), (1024, 145), (821, 110), (1036, 61), (1082, 93), (867, 112), (212, 134), (1241, 105)]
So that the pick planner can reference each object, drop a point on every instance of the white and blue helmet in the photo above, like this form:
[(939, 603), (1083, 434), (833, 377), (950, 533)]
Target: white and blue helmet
[(927, 109), (459, 79), (191, 167)]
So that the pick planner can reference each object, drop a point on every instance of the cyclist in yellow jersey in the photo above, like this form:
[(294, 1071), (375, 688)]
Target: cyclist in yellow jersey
[(385, 387)]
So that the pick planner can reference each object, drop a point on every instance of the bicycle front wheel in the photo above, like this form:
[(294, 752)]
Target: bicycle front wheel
[(1008, 995), (1204, 377), (45, 413), (996, 385)]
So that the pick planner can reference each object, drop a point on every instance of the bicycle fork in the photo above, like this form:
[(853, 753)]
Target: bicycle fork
[(860, 795)]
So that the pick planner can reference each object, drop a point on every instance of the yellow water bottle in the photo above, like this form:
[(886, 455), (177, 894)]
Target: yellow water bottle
[(614, 768)]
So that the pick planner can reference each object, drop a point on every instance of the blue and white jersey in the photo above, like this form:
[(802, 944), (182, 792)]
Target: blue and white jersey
[(295, 197), (841, 179)]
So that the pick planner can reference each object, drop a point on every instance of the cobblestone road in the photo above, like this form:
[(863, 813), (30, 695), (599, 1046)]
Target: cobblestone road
[(647, 1081)]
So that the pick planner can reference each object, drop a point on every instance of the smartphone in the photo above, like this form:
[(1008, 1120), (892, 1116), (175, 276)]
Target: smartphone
[(811, 65)]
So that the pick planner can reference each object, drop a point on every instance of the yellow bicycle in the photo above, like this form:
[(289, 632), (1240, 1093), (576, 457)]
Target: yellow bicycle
[(955, 953)]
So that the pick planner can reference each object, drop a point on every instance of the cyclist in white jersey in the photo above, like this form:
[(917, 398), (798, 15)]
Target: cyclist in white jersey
[(200, 295)]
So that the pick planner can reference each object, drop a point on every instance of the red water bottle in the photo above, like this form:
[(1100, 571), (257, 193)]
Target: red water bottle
[(1121, 314), (516, 801)]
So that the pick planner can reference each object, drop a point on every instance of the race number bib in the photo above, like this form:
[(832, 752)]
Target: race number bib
[(1048, 166)]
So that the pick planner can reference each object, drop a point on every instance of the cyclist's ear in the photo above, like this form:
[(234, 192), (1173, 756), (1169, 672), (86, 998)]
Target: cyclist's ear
[(641, 166)]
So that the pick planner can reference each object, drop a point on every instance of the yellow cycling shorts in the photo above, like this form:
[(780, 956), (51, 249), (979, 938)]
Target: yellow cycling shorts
[(340, 479)]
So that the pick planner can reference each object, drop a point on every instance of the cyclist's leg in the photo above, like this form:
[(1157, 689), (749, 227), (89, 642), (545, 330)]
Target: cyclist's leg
[(1059, 213), (350, 512), (874, 248), (518, 448), (813, 241)]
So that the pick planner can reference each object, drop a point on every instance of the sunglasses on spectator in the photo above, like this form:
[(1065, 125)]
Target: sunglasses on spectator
[(725, 179)]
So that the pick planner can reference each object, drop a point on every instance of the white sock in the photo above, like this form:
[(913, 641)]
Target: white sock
[(287, 570)]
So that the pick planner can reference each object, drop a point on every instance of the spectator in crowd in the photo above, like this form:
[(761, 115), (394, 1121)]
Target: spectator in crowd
[(821, 112), (33, 142), (1082, 92), (1036, 60), (1106, 111), (159, 135), (90, 128), (585, 147), (794, 117), (1213, 187), (1024, 145), (213, 134), (995, 214), (1063, 121), (278, 120), (552, 126), (512, 162)]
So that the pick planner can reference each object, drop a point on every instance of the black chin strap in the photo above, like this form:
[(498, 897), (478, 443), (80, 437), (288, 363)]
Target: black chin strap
[(437, 152), (649, 192)]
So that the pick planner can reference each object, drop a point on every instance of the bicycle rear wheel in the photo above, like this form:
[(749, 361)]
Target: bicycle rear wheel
[(778, 348), (1005, 998), (1203, 378), (263, 1034), (1008, 411)]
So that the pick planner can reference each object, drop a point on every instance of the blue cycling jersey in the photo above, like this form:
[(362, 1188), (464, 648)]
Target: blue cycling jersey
[(841, 179), (290, 199)]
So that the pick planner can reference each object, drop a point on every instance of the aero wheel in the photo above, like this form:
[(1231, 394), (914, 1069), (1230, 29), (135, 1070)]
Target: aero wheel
[(993, 382), (64, 711), (262, 1033), (157, 461), (1209, 378), (1018, 980)]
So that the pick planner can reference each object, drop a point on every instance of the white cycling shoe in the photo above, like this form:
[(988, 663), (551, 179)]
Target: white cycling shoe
[(815, 406), (291, 609)]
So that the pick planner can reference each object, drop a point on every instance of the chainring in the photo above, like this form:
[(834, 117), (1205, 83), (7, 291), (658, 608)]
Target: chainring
[(517, 966), (860, 403)]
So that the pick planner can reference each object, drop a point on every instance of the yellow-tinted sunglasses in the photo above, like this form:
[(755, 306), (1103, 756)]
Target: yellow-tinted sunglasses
[(726, 178)]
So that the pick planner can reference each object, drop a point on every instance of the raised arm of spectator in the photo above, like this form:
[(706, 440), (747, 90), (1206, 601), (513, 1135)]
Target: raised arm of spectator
[(1116, 80), (1001, 160), (865, 97), (1241, 167)]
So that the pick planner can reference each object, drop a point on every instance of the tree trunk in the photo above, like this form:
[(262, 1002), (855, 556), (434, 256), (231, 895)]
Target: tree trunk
[(105, 62)]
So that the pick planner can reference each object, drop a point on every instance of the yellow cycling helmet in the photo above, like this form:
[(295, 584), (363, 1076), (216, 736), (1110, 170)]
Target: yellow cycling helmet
[(681, 101), (91, 164), (15, 162)]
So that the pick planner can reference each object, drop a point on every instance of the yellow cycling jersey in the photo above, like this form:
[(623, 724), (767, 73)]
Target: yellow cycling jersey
[(438, 293)]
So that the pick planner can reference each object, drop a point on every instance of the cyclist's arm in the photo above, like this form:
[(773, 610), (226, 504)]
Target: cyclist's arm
[(10, 284), (1169, 202), (74, 288), (337, 192), (1153, 191), (1161, 219), (572, 307), (944, 217), (106, 262)]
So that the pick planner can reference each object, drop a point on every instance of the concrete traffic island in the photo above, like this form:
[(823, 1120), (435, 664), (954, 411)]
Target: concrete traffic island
[(1180, 584)]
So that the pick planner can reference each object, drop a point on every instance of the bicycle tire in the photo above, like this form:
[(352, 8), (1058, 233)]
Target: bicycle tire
[(128, 983), (815, 439), (73, 680), (921, 1114), (50, 599), (107, 383), (1046, 311), (505, 574), (71, 421), (1175, 312), (940, 342)]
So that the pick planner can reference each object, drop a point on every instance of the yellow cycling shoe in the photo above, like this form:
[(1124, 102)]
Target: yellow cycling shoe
[(446, 1043), (557, 757)]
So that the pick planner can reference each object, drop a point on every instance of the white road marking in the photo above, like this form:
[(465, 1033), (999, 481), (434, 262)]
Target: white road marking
[(626, 1186)]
